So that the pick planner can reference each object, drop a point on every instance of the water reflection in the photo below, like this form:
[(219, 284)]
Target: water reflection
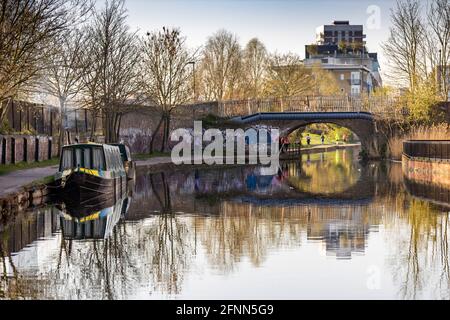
[(95, 222), (314, 229)]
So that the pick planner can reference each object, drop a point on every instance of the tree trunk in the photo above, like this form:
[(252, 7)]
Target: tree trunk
[(152, 142), (167, 133), (93, 125), (62, 129), (165, 146)]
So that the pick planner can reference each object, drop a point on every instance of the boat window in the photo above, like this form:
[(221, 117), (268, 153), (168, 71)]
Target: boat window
[(87, 158), (67, 160), (108, 158), (78, 158), (98, 159), (117, 160)]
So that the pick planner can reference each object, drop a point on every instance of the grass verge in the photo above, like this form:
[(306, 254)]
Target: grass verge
[(5, 169)]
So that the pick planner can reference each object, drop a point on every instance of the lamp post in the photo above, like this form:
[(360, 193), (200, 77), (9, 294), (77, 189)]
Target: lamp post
[(193, 75)]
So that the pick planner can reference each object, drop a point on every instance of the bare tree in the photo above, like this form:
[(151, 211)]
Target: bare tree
[(113, 60), (63, 73), (405, 43), (26, 30), (166, 78), (255, 66), (438, 17), (287, 76), (221, 66)]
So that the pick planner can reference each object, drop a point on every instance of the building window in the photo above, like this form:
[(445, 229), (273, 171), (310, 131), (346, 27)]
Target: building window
[(356, 78), (356, 90), (342, 77)]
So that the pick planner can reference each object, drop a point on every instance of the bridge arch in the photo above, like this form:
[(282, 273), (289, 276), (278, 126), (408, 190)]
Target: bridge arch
[(361, 123), (360, 132)]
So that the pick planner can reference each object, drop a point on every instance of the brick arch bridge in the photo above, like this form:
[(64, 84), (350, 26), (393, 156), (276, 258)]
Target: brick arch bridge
[(367, 117), (361, 124)]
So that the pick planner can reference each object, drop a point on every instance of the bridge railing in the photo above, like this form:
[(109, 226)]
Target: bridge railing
[(375, 105)]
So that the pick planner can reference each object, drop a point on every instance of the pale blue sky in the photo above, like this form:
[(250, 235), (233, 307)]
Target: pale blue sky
[(283, 26)]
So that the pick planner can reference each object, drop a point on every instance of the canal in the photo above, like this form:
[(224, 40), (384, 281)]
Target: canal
[(324, 227)]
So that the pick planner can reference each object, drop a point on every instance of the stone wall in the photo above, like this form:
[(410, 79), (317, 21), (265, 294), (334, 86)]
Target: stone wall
[(19, 148), (137, 127)]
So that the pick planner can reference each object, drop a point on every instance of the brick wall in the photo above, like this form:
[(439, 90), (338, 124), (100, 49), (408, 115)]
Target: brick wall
[(20, 148)]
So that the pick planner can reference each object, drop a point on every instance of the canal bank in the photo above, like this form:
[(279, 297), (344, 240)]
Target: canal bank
[(25, 189)]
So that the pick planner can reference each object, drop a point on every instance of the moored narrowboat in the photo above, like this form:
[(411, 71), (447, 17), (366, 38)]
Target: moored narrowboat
[(91, 172)]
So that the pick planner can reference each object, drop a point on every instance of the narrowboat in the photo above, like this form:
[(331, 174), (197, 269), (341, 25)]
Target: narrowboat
[(128, 163), (91, 172)]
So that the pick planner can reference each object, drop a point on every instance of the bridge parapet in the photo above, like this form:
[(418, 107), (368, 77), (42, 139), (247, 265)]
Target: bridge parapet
[(381, 106)]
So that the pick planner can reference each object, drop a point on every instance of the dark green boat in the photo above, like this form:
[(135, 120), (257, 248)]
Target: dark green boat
[(91, 172)]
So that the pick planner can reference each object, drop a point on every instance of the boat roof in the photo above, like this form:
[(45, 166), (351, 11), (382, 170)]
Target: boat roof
[(87, 145)]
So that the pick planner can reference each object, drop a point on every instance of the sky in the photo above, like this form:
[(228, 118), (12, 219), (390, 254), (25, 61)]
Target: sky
[(283, 26)]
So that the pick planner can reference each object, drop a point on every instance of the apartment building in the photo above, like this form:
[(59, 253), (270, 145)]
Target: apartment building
[(341, 49), (340, 31)]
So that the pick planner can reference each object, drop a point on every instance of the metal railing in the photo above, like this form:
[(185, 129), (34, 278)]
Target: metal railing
[(374, 105), (430, 150)]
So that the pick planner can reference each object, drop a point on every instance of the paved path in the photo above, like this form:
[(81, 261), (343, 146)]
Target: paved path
[(12, 182)]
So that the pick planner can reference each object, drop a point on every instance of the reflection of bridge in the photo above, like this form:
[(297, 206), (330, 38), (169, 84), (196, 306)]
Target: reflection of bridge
[(189, 191)]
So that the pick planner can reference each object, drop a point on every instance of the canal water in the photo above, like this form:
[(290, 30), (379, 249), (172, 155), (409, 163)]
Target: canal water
[(325, 227)]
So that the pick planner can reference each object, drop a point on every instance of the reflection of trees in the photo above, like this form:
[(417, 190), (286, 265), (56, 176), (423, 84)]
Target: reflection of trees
[(155, 252), (331, 174), (246, 231), (168, 240), (420, 259)]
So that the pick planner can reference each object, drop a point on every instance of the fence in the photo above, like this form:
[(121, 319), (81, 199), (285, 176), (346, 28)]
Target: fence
[(32, 131), (38, 119), (32, 118), (432, 150), (375, 105)]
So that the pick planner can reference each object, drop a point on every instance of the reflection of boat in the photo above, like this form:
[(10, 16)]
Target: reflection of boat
[(91, 171), (93, 223)]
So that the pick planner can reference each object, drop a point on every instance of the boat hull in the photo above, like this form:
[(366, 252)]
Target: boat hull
[(82, 188)]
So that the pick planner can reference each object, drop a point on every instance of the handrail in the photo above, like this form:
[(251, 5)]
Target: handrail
[(374, 105)]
